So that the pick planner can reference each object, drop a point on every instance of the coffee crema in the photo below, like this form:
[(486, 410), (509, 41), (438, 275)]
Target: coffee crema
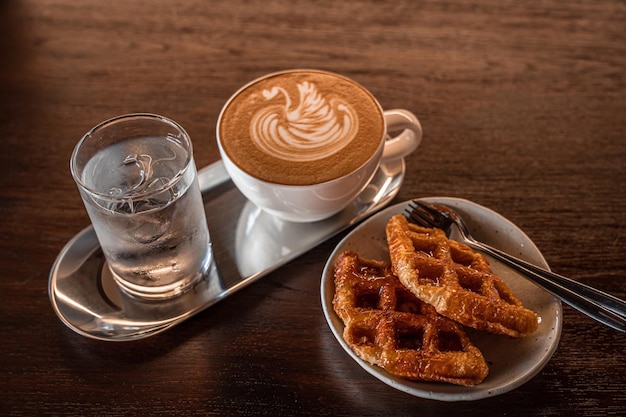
[(301, 127)]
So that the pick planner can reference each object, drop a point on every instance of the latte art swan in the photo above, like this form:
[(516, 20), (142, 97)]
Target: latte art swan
[(311, 129)]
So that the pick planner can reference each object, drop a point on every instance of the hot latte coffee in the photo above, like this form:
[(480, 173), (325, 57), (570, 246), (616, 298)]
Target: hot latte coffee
[(301, 127)]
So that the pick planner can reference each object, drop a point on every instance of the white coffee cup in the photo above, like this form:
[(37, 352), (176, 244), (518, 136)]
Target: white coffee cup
[(312, 202)]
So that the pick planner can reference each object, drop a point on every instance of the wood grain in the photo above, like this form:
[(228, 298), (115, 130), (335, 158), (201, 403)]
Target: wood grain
[(522, 105)]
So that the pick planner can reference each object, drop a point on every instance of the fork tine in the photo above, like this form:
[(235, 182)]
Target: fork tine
[(422, 214), (413, 214)]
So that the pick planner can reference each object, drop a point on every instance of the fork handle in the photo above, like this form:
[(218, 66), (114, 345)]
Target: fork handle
[(590, 301)]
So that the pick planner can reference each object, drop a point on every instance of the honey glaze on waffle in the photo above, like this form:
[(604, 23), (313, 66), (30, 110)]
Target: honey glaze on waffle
[(455, 280), (386, 325)]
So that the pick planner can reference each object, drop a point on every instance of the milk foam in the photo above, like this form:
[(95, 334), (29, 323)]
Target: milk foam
[(311, 128)]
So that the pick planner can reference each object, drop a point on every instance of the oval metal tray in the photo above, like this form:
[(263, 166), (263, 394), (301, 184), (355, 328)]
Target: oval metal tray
[(247, 244)]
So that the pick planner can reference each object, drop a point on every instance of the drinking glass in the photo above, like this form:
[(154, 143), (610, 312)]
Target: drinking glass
[(137, 178)]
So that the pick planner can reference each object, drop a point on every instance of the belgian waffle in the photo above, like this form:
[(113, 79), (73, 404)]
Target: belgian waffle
[(386, 325), (455, 280)]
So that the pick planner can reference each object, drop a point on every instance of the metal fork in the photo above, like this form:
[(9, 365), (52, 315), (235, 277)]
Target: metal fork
[(603, 307)]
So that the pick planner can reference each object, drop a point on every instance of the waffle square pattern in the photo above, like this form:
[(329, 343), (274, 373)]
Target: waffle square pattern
[(388, 326), (455, 280)]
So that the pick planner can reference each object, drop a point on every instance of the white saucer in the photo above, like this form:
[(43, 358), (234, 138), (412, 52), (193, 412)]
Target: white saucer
[(512, 362)]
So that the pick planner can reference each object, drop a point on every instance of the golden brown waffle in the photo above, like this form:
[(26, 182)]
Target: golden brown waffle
[(388, 326), (455, 280)]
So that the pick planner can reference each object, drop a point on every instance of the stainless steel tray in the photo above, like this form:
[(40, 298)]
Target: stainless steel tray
[(247, 244)]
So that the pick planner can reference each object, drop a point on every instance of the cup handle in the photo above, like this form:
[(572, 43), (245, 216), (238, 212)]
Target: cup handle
[(408, 140)]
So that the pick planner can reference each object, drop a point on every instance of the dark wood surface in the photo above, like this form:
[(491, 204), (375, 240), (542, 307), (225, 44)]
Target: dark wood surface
[(523, 106)]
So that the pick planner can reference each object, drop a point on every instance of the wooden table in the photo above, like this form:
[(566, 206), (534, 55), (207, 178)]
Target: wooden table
[(523, 106)]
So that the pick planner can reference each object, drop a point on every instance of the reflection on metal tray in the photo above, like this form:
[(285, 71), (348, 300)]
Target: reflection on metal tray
[(247, 244)]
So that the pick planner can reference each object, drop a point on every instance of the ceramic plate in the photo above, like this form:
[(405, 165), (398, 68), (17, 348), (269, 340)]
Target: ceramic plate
[(512, 362)]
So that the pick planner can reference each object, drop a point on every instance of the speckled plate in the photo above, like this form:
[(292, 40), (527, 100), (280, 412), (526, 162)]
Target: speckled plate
[(512, 362)]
